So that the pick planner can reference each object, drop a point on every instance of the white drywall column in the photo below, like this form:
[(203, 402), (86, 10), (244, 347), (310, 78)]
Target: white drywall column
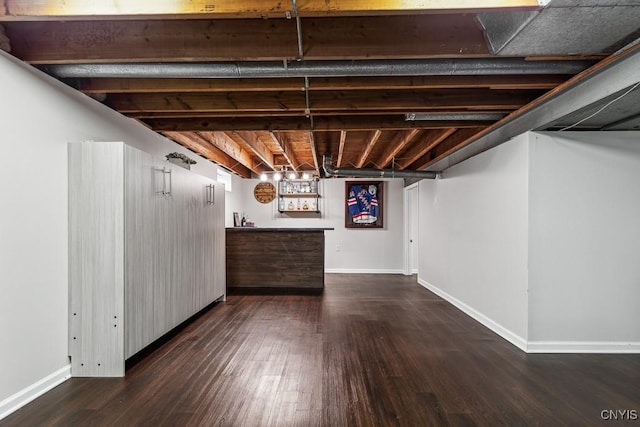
[(473, 237), (584, 234)]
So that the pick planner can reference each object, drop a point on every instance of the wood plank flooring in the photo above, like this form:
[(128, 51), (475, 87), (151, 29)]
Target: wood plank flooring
[(372, 350)]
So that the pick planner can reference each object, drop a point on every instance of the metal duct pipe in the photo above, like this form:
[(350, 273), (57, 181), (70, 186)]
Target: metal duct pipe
[(374, 173), (274, 69)]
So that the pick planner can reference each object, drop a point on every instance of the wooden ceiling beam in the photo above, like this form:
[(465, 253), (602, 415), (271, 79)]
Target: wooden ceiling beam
[(212, 102), (153, 41), (251, 140), (45, 9), (168, 85), (371, 142), (294, 114), (428, 140), (100, 41), (399, 143), (208, 151), (287, 149), (322, 123), (365, 7), (162, 85), (446, 146), (405, 36), (404, 101), (314, 152), (542, 81), (232, 148), (343, 139), (95, 9)]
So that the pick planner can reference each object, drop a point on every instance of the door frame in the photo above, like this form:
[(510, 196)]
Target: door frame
[(407, 219)]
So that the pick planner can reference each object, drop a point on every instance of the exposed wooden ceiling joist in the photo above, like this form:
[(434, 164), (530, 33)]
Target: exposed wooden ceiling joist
[(46, 9), (343, 138), (426, 142), (252, 116), (160, 85), (207, 150), (232, 148), (371, 142), (386, 100), (287, 150), (231, 40), (445, 146), (251, 140), (301, 123), (398, 144)]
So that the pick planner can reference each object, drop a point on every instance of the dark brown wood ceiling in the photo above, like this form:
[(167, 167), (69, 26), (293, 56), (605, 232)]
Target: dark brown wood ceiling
[(250, 125)]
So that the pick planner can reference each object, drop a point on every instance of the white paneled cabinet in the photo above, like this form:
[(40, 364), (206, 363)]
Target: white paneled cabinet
[(146, 242)]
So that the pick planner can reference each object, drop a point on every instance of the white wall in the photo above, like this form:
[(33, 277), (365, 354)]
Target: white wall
[(374, 250), (538, 239), (584, 239), (473, 237), (39, 117)]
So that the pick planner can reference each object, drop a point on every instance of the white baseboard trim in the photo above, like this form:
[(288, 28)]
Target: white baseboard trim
[(514, 339), (35, 390), (361, 271), (582, 347)]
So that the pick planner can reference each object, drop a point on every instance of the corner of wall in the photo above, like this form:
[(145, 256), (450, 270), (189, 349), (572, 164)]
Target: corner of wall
[(505, 333), (32, 392)]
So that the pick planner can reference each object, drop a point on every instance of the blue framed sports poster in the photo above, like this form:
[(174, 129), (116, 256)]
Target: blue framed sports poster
[(364, 204)]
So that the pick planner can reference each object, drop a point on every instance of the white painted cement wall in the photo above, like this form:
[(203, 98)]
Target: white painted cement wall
[(585, 240), (39, 117), (473, 237)]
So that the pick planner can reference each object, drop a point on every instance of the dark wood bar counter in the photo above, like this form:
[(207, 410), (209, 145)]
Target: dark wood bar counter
[(275, 257)]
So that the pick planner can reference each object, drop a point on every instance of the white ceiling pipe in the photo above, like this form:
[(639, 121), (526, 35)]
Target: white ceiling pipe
[(275, 69)]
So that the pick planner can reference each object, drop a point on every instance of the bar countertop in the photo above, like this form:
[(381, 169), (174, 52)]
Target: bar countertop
[(290, 229)]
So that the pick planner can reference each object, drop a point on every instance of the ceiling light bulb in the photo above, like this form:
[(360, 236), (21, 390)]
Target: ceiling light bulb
[(292, 175), (277, 176), (263, 177), (305, 175)]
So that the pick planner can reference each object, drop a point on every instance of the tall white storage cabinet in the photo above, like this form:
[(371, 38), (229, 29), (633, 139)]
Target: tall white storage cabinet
[(146, 252)]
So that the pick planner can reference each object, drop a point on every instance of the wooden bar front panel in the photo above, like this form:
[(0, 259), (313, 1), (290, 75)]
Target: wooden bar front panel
[(282, 258)]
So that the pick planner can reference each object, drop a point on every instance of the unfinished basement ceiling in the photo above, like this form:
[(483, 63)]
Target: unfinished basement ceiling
[(264, 85)]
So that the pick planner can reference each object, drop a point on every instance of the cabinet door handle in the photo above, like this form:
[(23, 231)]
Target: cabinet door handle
[(168, 172), (211, 194), (163, 189), (164, 172)]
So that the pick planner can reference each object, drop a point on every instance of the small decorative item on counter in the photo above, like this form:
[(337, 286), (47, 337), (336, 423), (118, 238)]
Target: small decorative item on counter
[(180, 160)]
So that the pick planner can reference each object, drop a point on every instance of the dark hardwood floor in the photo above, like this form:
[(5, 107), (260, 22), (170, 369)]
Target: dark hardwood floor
[(372, 350)]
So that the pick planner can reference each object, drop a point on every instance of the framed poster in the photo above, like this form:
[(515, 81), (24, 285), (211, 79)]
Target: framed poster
[(364, 204)]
